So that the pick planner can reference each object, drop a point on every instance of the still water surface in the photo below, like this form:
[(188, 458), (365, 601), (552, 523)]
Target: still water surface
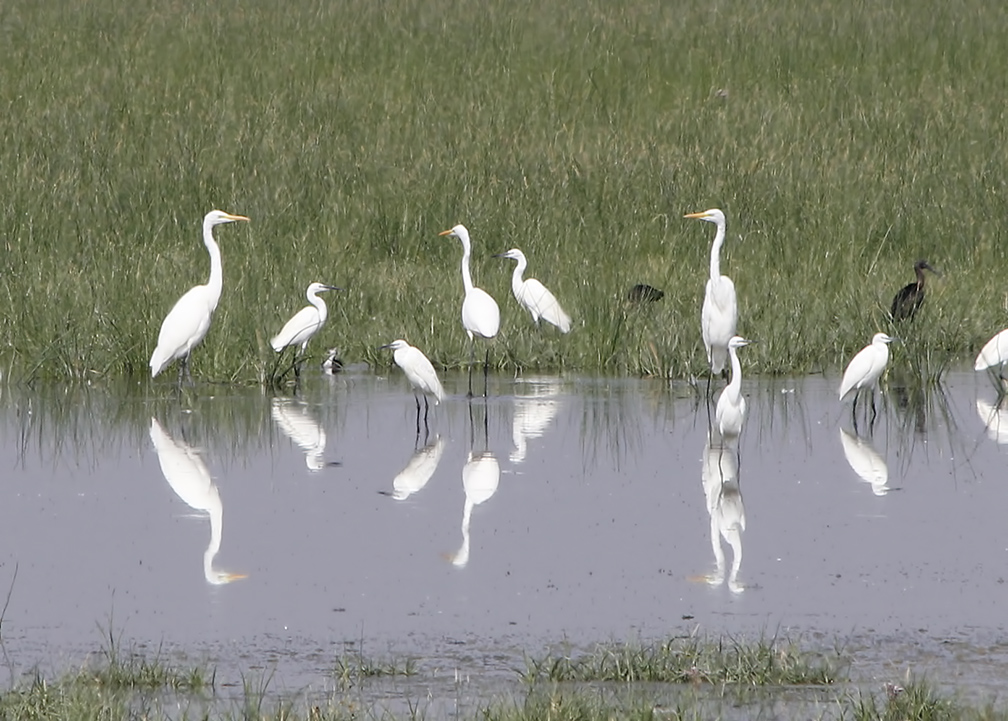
[(248, 530)]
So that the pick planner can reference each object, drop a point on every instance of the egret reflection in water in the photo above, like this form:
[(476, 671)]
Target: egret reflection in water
[(298, 424), (995, 419), (418, 471), (480, 477), (865, 461), (189, 478), (534, 412), (719, 474)]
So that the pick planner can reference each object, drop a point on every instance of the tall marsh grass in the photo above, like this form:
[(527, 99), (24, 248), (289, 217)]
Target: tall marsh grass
[(844, 140)]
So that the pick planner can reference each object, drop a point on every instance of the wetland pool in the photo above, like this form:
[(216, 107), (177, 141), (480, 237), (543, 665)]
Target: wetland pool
[(257, 531)]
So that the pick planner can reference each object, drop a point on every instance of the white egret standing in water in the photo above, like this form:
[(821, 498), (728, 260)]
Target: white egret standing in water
[(189, 478), (731, 406), (994, 354), (534, 296), (420, 374), (480, 314), (864, 371), (304, 324), (189, 319), (720, 307)]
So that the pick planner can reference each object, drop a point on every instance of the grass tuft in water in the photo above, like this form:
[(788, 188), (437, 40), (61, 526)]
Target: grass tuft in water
[(689, 660)]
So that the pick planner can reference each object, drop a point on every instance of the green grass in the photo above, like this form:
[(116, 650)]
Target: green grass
[(844, 140), (150, 689)]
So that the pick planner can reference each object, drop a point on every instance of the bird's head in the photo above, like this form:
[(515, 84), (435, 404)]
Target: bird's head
[(394, 345), (320, 288), (738, 341), (881, 338), (924, 265), (459, 231), (513, 254), (216, 217), (711, 216)]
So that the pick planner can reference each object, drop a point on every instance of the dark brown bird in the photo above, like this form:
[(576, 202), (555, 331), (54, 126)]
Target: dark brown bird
[(909, 299), (643, 293)]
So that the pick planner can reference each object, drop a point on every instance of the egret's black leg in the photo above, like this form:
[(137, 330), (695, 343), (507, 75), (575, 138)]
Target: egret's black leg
[(486, 372), (472, 353)]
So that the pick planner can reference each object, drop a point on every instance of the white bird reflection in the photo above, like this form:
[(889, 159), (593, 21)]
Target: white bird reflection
[(298, 424), (534, 411), (995, 419), (418, 471), (719, 473), (189, 478), (865, 461), (480, 477)]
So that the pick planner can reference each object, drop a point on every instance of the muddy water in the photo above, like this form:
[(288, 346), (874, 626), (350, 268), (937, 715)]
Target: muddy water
[(255, 531)]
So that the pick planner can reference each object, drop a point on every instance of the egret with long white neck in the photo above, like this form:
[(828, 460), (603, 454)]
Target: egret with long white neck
[(534, 296), (189, 319), (719, 315), (304, 324), (480, 314), (731, 406)]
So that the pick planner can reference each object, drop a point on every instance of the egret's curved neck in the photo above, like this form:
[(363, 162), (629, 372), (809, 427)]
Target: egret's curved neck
[(320, 306), (466, 278), (516, 277), (715, 252), (216, 522), (216, 282), (735, 385)]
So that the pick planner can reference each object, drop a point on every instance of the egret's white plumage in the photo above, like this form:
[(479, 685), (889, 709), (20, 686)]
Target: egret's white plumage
[(731, 406), (418, 471), (297, 422), (480, 314), (866, 367), (994, 354), (720, 307), (419, 372), (189, 319), (189, 478), (306, 322), (534, 296), (865, 461)]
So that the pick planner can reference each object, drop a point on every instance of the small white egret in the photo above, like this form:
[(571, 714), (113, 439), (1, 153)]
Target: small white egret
[(720, 307), (534, 296), (480, 314), (864, 370), (731, 406), (909, 298), (304, 324), (189, 319), (994, 354), (420, 374)]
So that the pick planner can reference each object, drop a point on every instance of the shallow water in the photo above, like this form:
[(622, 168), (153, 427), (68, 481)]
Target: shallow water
[(254, 532)]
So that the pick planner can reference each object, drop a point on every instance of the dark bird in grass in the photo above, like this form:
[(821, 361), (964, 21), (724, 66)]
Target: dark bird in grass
[(909, 299), (643, 293)]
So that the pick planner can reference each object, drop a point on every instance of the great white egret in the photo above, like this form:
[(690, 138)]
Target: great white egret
[(420, 374), (720, 307), (864, 371), (480, 314), (189, 478), (994, 354), (189, 319), (534, 296), (908, 300), (731, 405), (304, 324)]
